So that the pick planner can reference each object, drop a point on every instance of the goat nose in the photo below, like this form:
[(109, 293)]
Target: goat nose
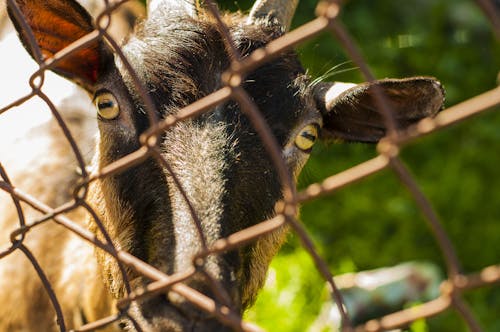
[(185, 305), (187, 308), (200, 284)]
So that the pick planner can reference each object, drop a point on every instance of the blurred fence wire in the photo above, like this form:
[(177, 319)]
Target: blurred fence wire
[(388, 157)]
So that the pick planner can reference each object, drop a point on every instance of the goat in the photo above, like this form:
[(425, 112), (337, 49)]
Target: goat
[(179, 55)]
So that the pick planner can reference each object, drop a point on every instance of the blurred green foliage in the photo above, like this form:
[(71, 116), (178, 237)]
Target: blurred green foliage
[(375, 223)]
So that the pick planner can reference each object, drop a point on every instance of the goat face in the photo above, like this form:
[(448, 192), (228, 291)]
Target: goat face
[(218, 159)]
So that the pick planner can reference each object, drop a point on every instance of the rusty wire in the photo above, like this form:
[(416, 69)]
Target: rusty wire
[(388, 158)]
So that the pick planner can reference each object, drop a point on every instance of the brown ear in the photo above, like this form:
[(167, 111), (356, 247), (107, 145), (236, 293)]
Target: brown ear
[(352, 114), (54, 25)]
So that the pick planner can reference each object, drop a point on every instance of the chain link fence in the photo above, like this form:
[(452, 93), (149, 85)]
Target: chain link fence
[(388, 158)]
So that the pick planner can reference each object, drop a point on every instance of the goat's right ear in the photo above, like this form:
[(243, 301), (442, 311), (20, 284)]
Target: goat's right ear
[(351, 113), (55, 24)]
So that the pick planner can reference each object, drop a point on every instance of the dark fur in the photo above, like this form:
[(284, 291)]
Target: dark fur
[(185, 64), (181, 60)]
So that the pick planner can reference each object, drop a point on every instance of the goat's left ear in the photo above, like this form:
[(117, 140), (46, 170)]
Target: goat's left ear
[(55, 24), (350, 112)]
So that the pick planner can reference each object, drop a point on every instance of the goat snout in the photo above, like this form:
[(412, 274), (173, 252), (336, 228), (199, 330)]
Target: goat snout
[(206, 286), (172, 313)]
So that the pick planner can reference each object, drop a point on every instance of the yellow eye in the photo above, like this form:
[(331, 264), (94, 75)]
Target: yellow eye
[(307, 137), (107, 106)]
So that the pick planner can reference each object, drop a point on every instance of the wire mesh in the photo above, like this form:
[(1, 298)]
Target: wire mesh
[(388, 158)]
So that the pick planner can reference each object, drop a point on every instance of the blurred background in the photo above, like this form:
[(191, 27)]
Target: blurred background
[(375, 223)]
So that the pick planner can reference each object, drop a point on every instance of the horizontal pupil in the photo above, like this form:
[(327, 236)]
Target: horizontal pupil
[(105, 104), (308, 136)]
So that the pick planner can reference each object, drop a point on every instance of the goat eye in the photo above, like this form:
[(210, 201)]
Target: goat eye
[(107, 106), (307, 137)]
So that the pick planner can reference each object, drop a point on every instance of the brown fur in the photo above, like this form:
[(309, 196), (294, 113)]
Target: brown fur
[(40, 162)]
